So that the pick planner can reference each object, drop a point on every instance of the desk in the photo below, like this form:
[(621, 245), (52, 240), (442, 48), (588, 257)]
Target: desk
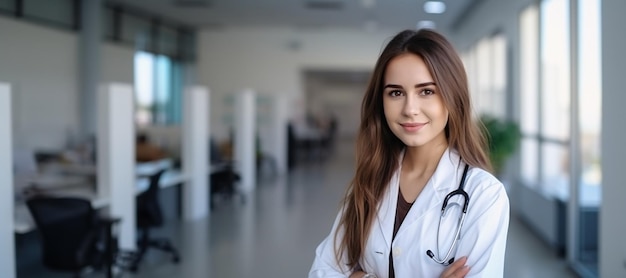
[(58, 186), (24, 223), (141, 168)]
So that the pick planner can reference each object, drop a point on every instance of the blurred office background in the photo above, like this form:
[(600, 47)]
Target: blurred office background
[(552, 67)]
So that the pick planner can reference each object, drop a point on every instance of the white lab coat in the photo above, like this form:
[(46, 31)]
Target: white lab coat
[(483, 236)]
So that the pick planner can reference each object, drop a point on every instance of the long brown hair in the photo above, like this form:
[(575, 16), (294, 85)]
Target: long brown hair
[(378, 149)]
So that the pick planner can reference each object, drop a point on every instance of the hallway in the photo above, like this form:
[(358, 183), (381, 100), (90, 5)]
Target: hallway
[(275, 232)]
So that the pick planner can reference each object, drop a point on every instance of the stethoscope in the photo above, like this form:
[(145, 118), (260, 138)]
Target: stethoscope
[(458, 191)]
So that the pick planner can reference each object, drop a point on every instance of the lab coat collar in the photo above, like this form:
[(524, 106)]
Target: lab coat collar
[(444, 179), (448, 173)]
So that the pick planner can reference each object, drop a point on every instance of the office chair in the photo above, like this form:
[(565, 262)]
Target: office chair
[(224, 182), (149, 216), (72, 234), (223, 178)]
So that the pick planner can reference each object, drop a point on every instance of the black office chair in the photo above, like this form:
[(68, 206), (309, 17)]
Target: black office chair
[(149, 216), (224, 182), (73, 236)]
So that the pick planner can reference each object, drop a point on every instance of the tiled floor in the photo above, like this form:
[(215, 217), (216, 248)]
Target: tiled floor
[(274, 233)]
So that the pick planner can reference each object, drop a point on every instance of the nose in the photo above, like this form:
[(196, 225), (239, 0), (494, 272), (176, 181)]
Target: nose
[(411, 105)]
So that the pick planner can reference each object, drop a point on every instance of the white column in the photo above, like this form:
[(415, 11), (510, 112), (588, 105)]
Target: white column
[(279, 124), (196, 152), (7, 234), (245, 139), (116, 157), (612, 227)]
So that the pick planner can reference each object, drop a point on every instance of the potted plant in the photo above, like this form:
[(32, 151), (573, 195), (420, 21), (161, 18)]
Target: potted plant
[(503, 138)]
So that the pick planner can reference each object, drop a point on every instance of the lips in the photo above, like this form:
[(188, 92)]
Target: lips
[(412, 127)]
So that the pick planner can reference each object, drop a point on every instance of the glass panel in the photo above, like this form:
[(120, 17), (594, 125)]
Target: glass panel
[(483, 78), (144, 88), (188, 45), (529, 76), (470, 68), (175, 106), (158, 83), (555, 170), (163, 86), (136, 30), (168, 41), (7, 5), (59, 11), (530, 157), (590, 94), (555, 89), (498, 76), (589, 122)]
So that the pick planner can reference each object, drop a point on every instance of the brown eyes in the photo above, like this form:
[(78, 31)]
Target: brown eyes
[(424, 92), (395, 93), (427, 92)]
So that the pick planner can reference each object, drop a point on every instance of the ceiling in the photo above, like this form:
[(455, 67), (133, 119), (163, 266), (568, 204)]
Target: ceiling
[(302, 14)]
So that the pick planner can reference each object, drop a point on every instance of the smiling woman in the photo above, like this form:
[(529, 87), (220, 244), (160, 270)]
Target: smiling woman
[(411, 103), (421, 162)]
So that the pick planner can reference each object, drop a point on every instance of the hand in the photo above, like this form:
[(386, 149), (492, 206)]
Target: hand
[(458, 269)]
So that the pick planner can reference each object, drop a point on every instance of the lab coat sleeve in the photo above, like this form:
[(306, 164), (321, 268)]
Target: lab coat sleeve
[(485, 230), (325, 263)]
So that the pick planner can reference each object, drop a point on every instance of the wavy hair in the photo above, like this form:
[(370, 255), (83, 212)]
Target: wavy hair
[(378, 149)]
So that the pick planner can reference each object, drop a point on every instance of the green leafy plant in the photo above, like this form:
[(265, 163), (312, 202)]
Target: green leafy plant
[(503, 138)]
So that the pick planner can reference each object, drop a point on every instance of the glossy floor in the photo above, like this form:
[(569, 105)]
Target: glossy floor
[(275, 231)]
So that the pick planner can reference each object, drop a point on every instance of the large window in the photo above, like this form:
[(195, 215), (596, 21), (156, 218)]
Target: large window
[(529, 96), (545, 97), (486, 71), (120, 24), (555, 96), (589, 93), (560, 106), (58, 13), (158, 89)]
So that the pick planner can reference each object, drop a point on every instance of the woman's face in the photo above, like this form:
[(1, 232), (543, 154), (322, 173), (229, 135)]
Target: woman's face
[(412, 102)]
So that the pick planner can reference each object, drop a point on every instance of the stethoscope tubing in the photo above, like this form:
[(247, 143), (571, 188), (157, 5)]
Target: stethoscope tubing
[(458, 191)]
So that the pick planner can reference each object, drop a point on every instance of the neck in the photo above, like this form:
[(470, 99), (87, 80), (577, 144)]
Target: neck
[(424, 159)]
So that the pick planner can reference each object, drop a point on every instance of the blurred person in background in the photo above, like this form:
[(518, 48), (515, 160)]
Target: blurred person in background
[(146, 151)]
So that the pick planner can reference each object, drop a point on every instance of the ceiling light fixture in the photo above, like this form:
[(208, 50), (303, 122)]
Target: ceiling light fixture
[(425, 24), (368, 4), (434, 7)]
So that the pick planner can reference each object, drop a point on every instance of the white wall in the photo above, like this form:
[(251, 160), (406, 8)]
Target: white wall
[(271, 60), (343, 100), (41, 63), (612, 225), (117, 64)]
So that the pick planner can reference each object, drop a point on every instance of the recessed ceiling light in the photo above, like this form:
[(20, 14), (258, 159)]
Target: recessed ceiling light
[(368, 4), (425, 24), (434, 7)]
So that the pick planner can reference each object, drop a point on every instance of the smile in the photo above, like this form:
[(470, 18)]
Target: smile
[(412, 127)]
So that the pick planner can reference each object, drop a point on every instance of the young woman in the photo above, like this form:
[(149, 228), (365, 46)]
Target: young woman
[(418, 143)]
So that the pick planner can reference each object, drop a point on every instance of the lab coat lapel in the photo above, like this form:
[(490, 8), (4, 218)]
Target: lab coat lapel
[(439, 185), (387, 209)]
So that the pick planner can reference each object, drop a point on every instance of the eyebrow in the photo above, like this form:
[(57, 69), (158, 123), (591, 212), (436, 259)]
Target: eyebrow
[(394, 86)]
